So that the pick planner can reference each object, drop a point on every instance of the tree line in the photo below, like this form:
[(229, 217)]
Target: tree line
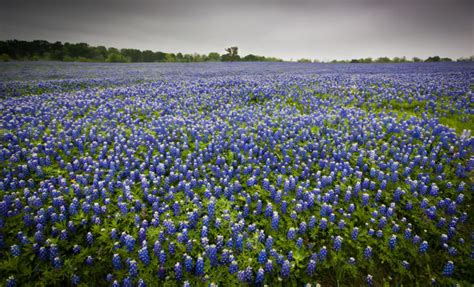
[(83, 52), (393, 60)]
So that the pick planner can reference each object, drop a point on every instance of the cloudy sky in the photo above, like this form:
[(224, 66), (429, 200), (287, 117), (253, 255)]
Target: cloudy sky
[(288, 29)]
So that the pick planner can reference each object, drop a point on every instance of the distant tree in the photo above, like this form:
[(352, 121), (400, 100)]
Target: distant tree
[(187, 58), (158, 57), (79, 50), (133, 54), (83, 52), (102, 51), (233, 51), (416, 59), (250, 58), (213, 57), (399, 60), (179, 57), (170, 57), (303, 60), (199, 57), (148, 56), (232, 54), (56, 51), (256, 58), (253, 58), (383, 60), (117, 58), (433, 59), (112, 50), (467, 59)]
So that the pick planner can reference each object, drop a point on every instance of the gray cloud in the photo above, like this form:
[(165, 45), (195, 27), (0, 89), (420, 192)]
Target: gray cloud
[(321, 29)]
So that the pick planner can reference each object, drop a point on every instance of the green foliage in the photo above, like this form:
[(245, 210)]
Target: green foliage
[(4, 57), (232, 55), (383, 60), (466, 59), (303, 60), (117, 58), (83, 52), (213, 57), (433, 59), (133, 54)]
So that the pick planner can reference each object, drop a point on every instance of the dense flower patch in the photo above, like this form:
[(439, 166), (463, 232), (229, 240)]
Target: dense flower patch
[(237, 173)]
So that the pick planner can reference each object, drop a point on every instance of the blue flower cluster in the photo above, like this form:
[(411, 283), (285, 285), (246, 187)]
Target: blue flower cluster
[(235, 173)]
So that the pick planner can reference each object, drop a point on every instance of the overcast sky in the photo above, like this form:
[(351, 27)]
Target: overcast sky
[(288, 29)]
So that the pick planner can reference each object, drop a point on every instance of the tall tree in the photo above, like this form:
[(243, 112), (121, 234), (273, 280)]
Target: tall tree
[(232, 54)]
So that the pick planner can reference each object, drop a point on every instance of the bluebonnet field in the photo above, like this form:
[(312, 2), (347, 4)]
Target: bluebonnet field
[(236, 173)]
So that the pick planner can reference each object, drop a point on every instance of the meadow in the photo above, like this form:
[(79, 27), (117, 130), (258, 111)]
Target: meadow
[(236, 174)]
